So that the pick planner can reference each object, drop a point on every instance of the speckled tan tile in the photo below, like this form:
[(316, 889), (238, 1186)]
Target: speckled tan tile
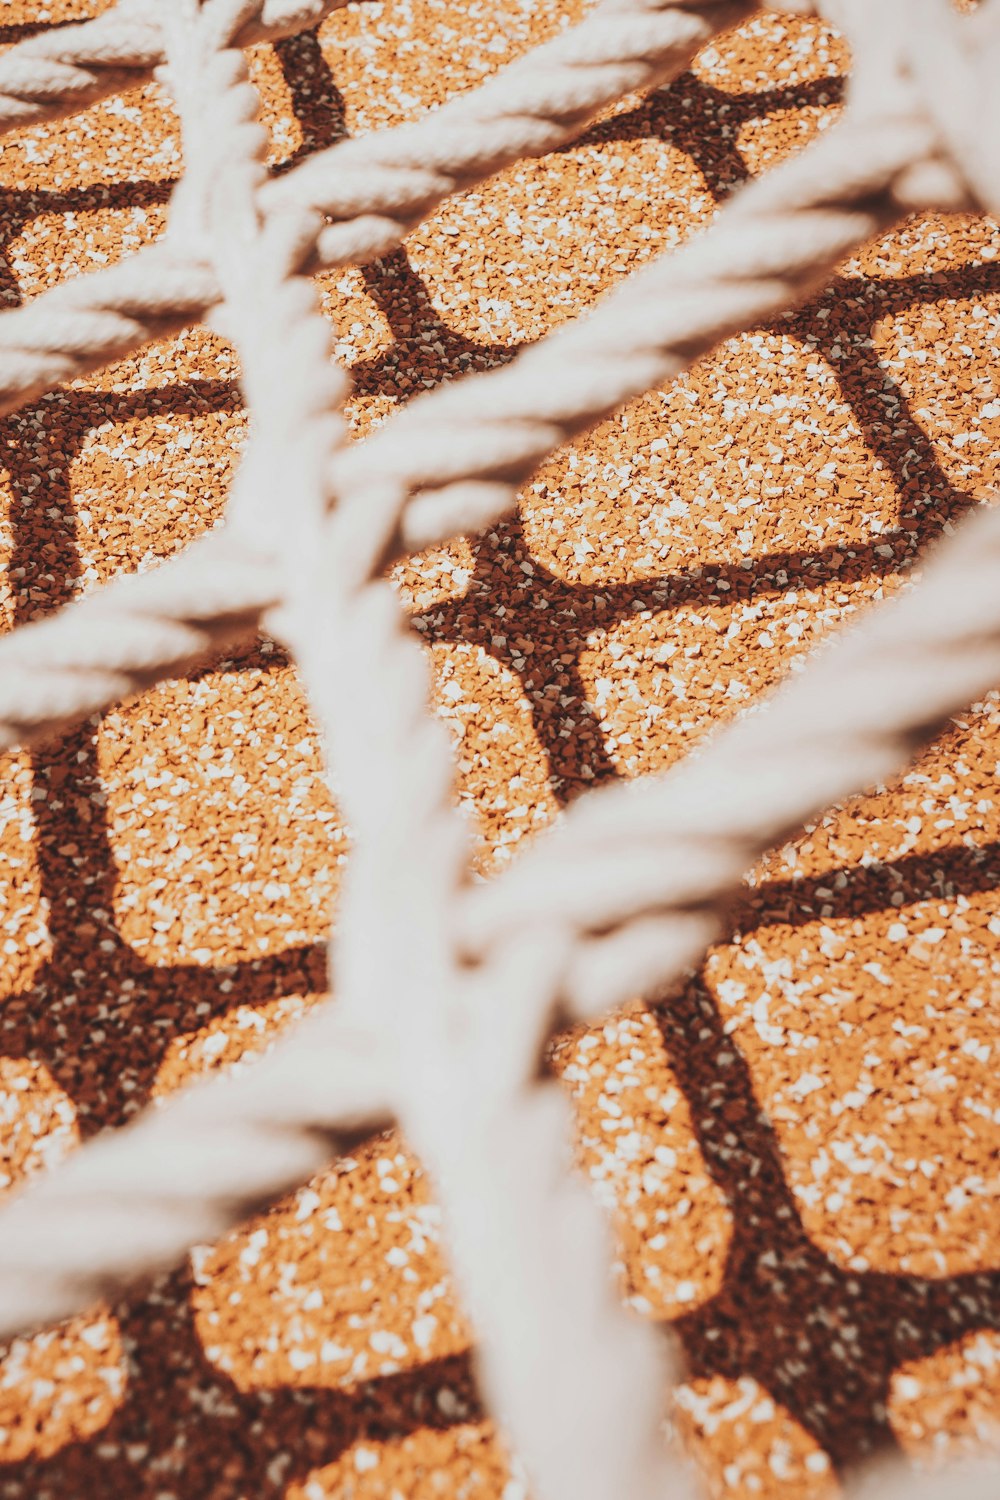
[(797, 1145)]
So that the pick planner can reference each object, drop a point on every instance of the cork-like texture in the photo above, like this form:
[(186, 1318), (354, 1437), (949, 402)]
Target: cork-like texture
[(798, 1147)]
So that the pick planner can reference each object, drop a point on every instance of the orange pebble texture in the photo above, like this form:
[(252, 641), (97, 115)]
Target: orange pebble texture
[(798, 1147)]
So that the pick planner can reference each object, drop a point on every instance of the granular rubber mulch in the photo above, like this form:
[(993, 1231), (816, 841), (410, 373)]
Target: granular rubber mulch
[(799, 1146)]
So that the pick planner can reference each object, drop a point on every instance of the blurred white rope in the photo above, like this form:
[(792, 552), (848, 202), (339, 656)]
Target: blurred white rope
[(372, 190), (448, 989), (133, 1201), (636, 875), (537, 1278), (457, 454), (68, 68)]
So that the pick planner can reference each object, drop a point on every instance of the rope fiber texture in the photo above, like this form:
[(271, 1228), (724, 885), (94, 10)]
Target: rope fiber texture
[(69, 68), (629, 887)]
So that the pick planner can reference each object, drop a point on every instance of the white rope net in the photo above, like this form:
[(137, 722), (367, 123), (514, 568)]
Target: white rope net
[(629, 887)]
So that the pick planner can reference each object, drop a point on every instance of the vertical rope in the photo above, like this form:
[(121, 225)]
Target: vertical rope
[(447, 990)]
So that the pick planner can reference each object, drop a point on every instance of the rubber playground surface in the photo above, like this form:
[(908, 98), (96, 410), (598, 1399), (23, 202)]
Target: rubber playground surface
[(798, 1146)]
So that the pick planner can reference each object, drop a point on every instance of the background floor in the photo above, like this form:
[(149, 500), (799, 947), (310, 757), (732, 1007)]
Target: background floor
[(798, 1147)]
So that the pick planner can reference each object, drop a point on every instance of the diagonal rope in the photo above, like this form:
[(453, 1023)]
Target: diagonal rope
[(676, 847), (447, 989), (66, 69), (372, 190), (458, 454)]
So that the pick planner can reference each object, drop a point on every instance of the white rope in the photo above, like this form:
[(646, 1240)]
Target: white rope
[(458, 454), (447, 989), (65, 69), (635, 875), (349, 640), (133, 1200), (374, 190)]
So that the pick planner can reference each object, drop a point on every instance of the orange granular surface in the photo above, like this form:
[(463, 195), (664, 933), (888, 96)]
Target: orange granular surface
[(799, 1146)]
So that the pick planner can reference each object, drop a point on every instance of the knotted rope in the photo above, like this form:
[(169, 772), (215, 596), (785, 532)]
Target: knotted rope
[(69, 68), (459, 452), (447, 988), (371, 191)]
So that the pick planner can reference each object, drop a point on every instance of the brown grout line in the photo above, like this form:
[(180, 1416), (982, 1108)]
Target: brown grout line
[(823, 1340)]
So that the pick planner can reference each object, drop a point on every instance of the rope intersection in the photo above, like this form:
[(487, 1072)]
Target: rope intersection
[(442, 1024)]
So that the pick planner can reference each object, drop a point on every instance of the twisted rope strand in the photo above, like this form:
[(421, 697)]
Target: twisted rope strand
[(637, 875), (132, 1201), (458, 454), (130, 634), (210, 1156), (376, 188), (578, 1384), (66, 69), (443, 1024), (347, 631)]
